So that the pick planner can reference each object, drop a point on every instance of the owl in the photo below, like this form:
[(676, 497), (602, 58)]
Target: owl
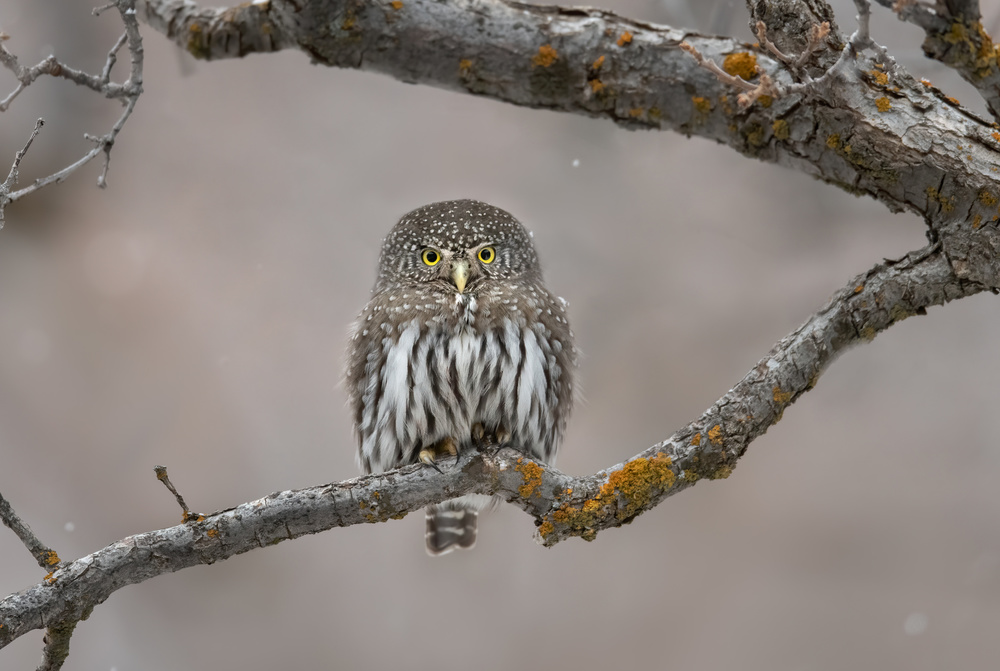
[(460, 346)]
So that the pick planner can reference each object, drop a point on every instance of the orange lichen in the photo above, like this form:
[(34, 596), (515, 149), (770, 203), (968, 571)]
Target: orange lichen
[(953, 101), (996, 136), (49, 579), (703, 105), (532, 474), (546, 528), (596, 65), (833, 141), (715, 434), (780, 397), (596, 86), (189, 516), (545, 57), (881, 78), (722, 473), (51, 558), (213, 533), (625, 38), (926, 82), (883, 104), (987, 198), (977, 221), (635, 112), (464, 67), (742, 64), (396, 4), (348, 22), (947, 203), (696, 439), (765, 101), (858, 289)]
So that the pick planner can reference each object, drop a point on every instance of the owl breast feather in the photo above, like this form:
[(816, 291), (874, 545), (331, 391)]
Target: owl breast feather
[(437, 378)]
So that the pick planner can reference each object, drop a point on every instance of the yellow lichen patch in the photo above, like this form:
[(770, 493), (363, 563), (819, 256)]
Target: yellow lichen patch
[(947, 204), (192, 517), (996, 136), (396, 4), (953, 101), (977, 221), (765, 101), (545, 57), (722, 473), (987, 198), (858, 289), (348, 22), (703, 105), (833, 141), (213, 533), (464, 67), (715, 434), (742, 64), (596, 86), (635, 112), (546, 528), (532, 474), (926, 82), (696, 439), (691, 476), (598, 63), (883, 104), (49, 579), (868, 333), (881, 78), (780, 397), (635, 483), (755, 135), (51, 558), (625, 38)]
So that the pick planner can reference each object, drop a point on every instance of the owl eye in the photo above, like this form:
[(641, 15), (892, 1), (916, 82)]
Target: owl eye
[(430, 257), (487, 255)]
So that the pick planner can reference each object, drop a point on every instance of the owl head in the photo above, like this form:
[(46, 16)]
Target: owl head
[(456, 245)]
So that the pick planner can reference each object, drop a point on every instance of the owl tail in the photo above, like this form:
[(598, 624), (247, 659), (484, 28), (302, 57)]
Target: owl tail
[(450, 525)]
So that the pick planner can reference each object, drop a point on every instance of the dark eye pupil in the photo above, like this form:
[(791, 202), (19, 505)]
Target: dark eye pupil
[(487, 255), (432, 257)]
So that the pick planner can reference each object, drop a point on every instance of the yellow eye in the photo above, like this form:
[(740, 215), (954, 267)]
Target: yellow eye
[(430, 257), (487, 255)]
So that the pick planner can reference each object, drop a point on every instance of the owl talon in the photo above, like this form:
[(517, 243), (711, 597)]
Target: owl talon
[(502, 436), (478, 432), (444, 447)]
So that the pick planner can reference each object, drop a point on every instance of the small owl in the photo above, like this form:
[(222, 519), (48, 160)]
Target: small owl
[(461, 345)]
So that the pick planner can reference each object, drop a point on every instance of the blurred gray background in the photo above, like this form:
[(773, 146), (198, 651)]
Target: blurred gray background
[(194, 314)]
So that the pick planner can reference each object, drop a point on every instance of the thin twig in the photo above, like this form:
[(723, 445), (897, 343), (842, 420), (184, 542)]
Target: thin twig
[(161, 475), (127, 92), (44, 555), (12, 176), (751, 92)]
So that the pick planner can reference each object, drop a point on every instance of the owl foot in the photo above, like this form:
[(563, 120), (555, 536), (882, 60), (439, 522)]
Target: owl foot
[(444, 447), (482, 440)]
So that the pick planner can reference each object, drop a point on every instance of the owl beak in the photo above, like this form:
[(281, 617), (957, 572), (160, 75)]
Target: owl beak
[(460, 274)]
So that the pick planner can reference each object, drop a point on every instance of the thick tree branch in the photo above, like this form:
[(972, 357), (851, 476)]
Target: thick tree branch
[(956, 37), (563, 506), (899, 141)]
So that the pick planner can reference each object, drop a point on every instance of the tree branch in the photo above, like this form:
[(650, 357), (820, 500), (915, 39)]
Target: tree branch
[(127, 92), (900, 142), (45, 556), (956, 37), (562, 506)]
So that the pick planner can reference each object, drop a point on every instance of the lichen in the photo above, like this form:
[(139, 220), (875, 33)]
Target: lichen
[(881, 78), (545, 57), (532, 474), (780, 129), (396, 4), (696, 439), (947, 203), (883, 104), (715, 434), (722, 472), (987, 198), (51, 558), (625, 38), (596, 65), (741, 64), (596, 85), (780, 397)]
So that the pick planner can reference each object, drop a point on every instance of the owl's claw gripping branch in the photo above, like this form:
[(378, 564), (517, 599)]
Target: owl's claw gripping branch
[(446, 447)]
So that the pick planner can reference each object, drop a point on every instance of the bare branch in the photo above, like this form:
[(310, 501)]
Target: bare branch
[(44, 555), (956, 37), (188, 516), (12, 176), (56, 642), (563, 506), (127, 92)]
